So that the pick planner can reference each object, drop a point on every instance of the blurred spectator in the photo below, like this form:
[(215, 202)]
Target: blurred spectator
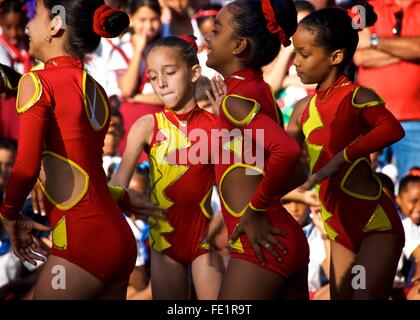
[(205, 19), (408, 200), (388, 49), (113, 137), (319, 247), (14, 53)]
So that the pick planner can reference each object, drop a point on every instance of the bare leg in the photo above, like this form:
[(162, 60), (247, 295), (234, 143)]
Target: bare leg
[(296, 287), (207, 273), (379, 255), (170, 279), (244, 280), (63, 280), (114, 291), (342, 260)]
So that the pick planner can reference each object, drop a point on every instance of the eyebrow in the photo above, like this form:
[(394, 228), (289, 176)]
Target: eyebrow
[(217, 22)]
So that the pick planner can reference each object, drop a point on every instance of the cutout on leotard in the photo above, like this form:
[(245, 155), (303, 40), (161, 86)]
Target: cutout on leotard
[(237, 187), (62, 180), (96, 105), (361, 182)]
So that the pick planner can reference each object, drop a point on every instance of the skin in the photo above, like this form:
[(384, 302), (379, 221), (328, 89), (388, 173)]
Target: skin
[(7, 158)]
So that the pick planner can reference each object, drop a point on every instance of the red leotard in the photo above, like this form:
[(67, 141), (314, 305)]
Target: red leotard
[(280, 155), (182, 179), (60, 131), (332, 122)]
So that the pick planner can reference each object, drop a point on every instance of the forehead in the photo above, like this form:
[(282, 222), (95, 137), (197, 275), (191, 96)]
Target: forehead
[(223, 17), (303, 37), (161, 56), (6, 154)]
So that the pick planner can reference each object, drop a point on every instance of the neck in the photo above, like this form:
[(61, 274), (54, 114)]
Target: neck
[(185, 107), (330, 80), (227, 70)]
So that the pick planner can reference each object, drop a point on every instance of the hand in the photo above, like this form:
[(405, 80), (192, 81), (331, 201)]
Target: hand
[(139, 41), (334, 165), (141, 207), (310, 198), (37, 198), (260, 233), (24, 244), (219, 90)]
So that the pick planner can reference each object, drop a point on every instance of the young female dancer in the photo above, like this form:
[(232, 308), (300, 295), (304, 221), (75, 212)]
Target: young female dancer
[(342, 123), (64, 117), (181, 178), (265, 263)]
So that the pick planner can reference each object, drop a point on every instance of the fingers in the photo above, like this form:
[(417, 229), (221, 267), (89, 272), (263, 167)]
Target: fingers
[(39, 200), (38, 247), (40, 227), (255, 245), (276, 243), (236, 233), (267, 246), (210, 97)]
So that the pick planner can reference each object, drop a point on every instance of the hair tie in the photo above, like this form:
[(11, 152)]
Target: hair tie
[(205, 13), (99, 18), (190, 39), (272, 25), (414, 172)]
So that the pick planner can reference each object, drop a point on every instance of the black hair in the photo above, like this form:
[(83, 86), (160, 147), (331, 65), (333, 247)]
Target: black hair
[(201, 19), (302, 5), (188, 50), (334, 30), (386, 181), (137, 4), (406, 181), (203, 84), (79, 24), (8, 144), (248, 21), (14, 6)]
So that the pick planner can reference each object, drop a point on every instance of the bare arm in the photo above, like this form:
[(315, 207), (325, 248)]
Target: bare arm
[(276, 71), (404, 48), (129, 80), (140, 134), (294, 129)]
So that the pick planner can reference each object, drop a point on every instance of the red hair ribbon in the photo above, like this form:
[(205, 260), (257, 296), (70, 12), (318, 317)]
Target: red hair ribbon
[(414, 172), (205, 13), (272, 25), (190, 40), (99, 18)]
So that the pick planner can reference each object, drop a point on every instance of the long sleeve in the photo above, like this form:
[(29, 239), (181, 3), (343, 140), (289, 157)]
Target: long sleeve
[(283, 153), (385, 130), (33, 124)]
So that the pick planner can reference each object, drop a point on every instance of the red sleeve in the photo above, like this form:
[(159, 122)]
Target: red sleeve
[(33, 123), (283, 153), (385, 130)]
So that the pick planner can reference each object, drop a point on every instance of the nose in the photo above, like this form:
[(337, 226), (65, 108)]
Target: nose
[(162, 82)]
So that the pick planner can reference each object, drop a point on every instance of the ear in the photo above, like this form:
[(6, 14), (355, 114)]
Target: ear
[(56, 24), (337, 57), (195, 73), (398, 200), (240, 46)]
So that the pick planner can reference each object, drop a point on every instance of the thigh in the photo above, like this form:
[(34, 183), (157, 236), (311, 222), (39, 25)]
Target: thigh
[(114, 291), (378, 256), (342, 261), (61, 279), (244, 280), (170, 279), (207, 273)]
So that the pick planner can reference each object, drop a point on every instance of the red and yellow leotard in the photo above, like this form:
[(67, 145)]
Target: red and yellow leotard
[(280, 156), (333, 121), (61, 138), (182, 179)]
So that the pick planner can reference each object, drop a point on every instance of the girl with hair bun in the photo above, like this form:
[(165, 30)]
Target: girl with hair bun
[(182, 179), (64, 116), (269, 252), (342, 124)]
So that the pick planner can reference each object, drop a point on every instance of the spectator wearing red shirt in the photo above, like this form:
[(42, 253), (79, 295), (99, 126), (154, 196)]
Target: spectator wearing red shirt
[(388, 58)]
